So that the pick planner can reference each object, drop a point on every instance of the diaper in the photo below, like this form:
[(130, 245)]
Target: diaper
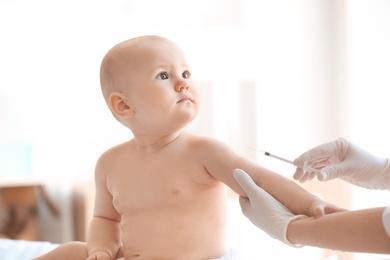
[(230, 255)]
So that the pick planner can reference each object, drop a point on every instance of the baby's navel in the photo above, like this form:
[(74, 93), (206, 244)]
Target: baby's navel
[(175, 192)]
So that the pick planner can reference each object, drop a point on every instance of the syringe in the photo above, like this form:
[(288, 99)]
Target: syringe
[(305, 167)]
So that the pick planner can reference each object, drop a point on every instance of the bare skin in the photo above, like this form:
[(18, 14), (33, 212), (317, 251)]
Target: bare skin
[(162, 195), (353, 231)]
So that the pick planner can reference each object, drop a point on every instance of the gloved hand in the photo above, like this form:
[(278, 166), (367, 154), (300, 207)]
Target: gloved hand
[(263, 210), (344, 160), (386, 220)]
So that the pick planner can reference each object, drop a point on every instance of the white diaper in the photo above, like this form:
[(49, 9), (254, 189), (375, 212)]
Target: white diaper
[(230, 255)]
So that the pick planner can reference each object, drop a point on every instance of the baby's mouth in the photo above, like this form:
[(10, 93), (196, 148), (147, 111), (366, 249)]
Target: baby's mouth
[(186, 98)]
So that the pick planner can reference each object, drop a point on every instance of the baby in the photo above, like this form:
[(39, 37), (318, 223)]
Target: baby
[(162, 195)]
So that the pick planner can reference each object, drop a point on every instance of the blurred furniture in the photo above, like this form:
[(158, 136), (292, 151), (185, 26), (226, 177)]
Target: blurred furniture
[(19, 210), (83, 203)]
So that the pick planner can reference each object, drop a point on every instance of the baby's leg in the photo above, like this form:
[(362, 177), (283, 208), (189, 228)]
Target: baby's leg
[(71, 250)]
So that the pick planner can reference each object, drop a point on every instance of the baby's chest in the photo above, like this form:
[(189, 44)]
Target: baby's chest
[(150, 188)]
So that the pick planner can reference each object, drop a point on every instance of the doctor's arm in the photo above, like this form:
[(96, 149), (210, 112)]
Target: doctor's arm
[(353, 231), (359, 231)]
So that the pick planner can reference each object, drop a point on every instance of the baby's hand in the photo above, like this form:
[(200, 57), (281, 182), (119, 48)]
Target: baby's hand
[(321, 208), (99, 256)]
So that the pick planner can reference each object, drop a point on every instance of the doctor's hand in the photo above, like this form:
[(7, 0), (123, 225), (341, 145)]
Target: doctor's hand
[(344, 160), (263, 210)]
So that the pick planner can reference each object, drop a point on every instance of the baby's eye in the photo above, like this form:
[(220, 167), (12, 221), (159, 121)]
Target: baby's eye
[(162, 75), (186, 74)]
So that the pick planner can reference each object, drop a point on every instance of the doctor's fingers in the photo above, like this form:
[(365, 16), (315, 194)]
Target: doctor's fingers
[(246, 182)]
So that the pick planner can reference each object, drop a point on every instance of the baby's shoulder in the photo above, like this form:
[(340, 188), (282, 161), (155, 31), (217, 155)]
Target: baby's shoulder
[(115, 152), (205, 143)]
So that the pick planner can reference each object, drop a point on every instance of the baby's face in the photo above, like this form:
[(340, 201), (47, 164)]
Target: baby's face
[(158, 86)]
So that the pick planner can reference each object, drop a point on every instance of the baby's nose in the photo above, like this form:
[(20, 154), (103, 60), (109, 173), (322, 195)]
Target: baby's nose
[(182, 85)]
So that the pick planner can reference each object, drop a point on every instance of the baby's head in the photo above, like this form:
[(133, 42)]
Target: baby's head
[(147, 83)]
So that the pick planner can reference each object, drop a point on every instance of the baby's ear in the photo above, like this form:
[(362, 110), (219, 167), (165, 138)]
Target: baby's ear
[(118, 105)]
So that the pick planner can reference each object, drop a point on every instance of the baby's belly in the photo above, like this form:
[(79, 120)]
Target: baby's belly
[(172, 234)]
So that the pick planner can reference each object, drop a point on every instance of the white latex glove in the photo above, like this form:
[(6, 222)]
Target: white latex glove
[(344, 160), (386, 220), (263, 210)]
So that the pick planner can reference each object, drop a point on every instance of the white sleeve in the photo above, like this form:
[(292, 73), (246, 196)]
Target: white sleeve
[(386, 220)]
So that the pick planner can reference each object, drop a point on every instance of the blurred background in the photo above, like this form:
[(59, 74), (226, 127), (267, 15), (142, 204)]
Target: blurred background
[(281, 75)]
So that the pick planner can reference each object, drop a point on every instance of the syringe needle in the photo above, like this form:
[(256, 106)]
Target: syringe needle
[(305, 167)]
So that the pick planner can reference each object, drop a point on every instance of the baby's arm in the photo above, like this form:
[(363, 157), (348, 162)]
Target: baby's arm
[(221, 161), (104, 233)]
